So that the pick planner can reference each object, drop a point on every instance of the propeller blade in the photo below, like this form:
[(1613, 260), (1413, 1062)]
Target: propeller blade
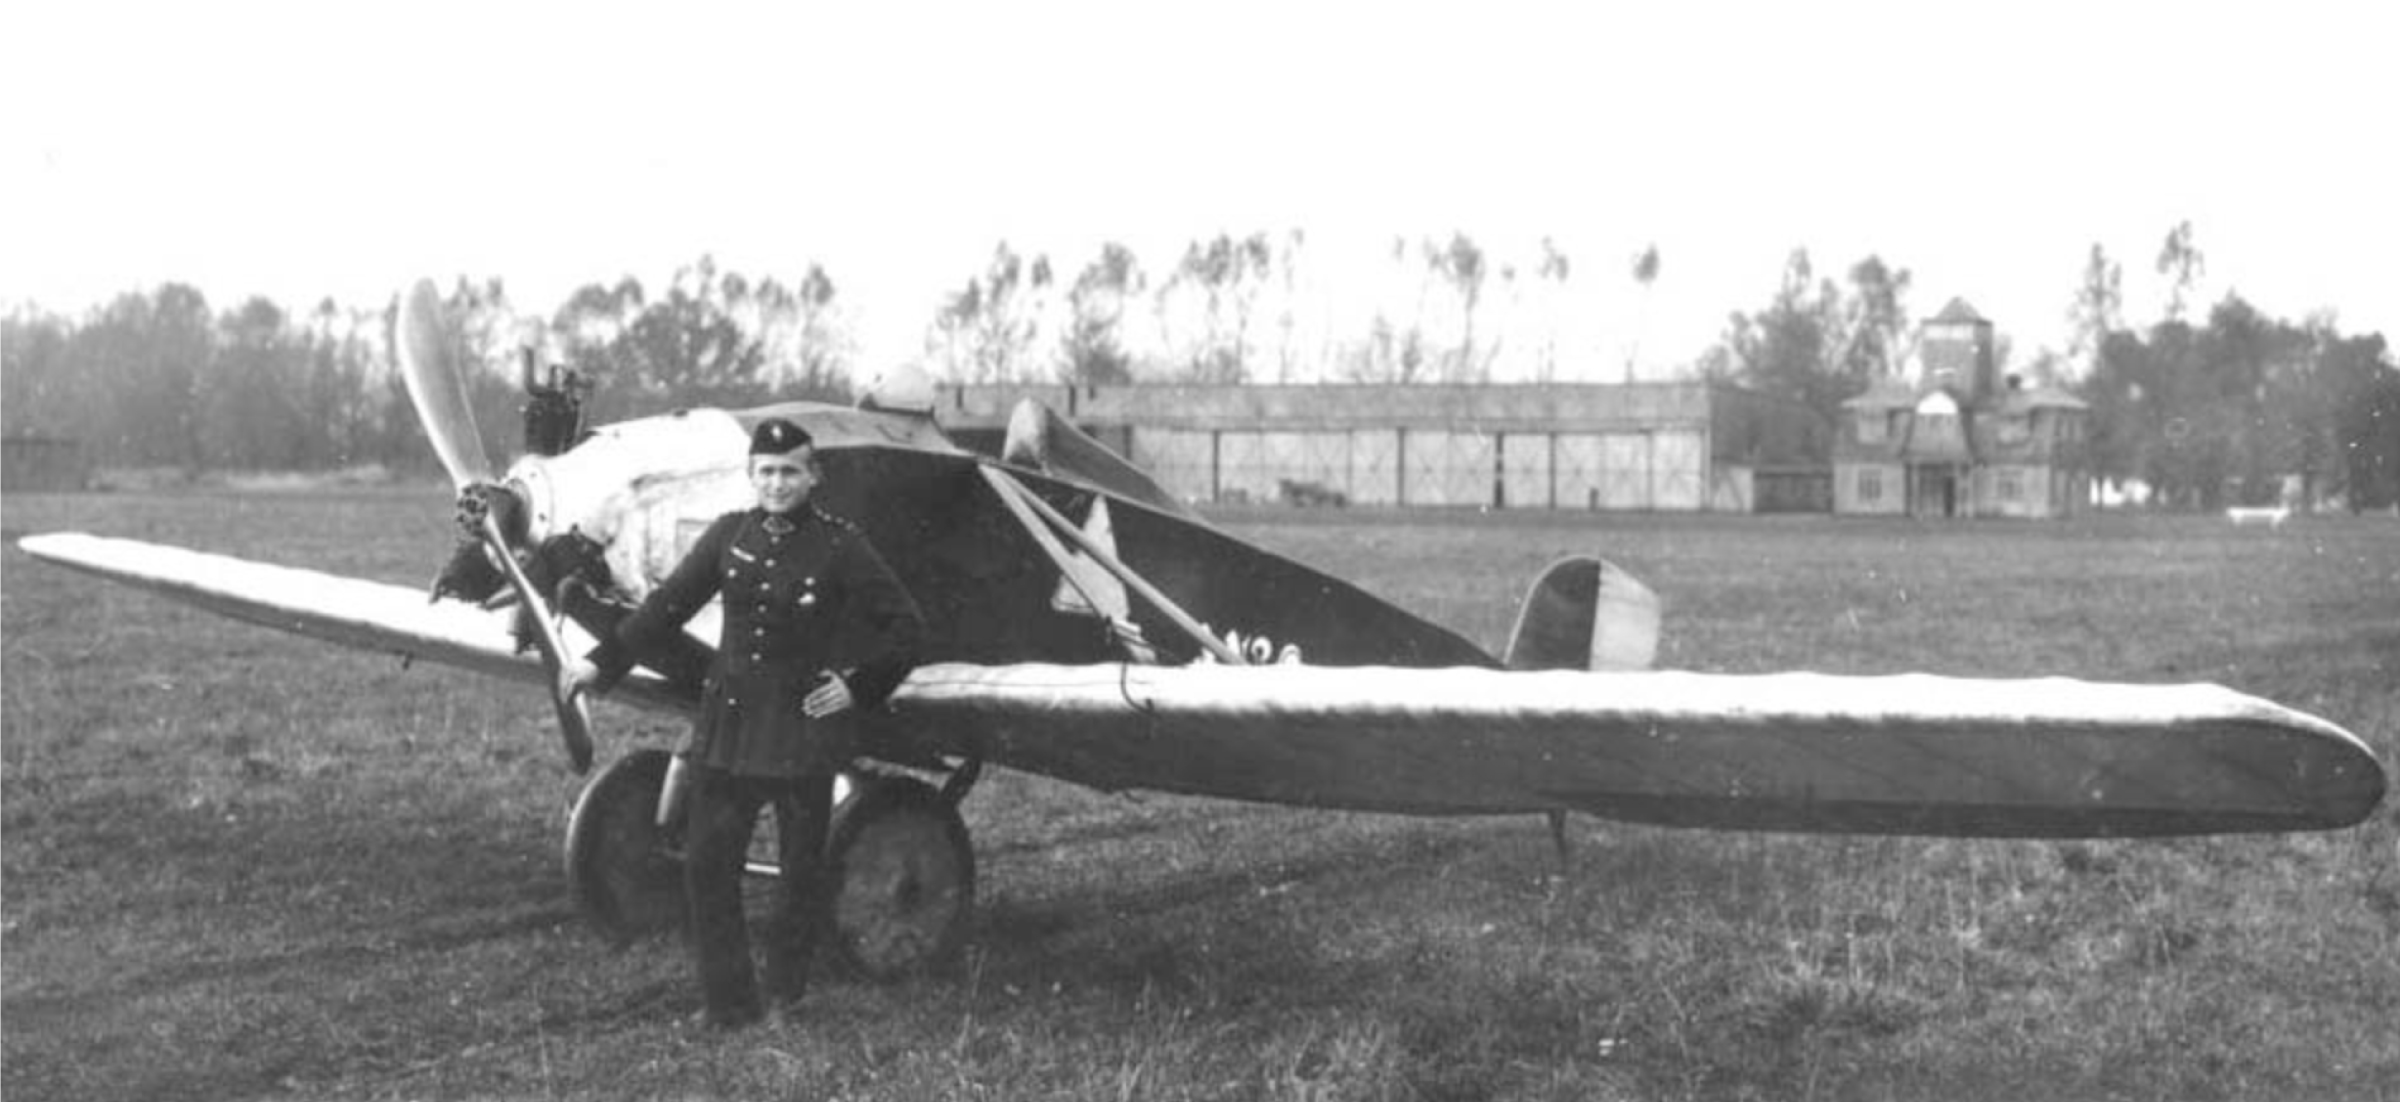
[(437, 386), (574, 715), (430, 368)]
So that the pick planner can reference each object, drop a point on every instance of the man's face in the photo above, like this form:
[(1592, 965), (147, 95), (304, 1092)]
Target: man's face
[(783, 481)]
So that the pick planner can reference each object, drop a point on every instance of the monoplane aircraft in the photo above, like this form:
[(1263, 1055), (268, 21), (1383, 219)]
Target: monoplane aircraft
[(1086, 625)]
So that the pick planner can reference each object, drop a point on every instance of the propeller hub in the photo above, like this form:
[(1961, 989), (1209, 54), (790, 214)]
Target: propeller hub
[(503, 503)]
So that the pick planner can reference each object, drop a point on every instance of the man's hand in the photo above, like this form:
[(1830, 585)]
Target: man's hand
[(574, 676), (830, 696)]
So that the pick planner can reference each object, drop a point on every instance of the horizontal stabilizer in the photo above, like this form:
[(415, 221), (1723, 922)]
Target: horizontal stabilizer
[(1585, 614)]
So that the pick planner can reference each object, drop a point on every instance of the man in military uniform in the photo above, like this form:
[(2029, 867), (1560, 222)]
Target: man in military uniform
[(816, 626)]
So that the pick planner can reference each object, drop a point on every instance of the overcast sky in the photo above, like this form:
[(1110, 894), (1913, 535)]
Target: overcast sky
[(304, 150)]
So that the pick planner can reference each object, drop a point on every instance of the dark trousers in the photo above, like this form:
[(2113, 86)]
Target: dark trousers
[(721, 815)]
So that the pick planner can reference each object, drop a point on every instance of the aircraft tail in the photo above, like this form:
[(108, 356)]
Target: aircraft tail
[(1585, 614)]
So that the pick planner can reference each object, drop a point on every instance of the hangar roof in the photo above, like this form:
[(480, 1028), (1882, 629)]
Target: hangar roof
[(1490, 407)]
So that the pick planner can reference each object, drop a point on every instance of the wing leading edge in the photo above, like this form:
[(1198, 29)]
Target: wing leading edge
[(353, 612), (1912, 753)]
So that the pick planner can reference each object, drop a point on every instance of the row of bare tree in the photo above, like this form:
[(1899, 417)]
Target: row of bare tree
[(2203, 413), (159, 378), (1247, 309)]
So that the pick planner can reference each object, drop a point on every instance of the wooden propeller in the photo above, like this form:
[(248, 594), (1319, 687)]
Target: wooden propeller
[(431, 368)]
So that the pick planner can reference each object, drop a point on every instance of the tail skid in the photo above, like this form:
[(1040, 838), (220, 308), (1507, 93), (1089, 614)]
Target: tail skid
[(1584, 613)]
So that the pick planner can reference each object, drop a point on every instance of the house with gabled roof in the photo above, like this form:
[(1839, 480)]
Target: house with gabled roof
[(1951, 439)]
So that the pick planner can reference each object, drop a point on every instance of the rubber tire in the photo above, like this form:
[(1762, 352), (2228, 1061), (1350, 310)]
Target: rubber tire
[(627, 873), (906, 894)]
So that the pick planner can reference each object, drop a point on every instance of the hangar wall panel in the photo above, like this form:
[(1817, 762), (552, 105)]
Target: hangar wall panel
[(1678, 470), (1444, 467), (1322, 458), (1625, 470), (1576, 468), (1244, 472), (1525, 470), (1568, 446), (1375, 467), (1183, 461)]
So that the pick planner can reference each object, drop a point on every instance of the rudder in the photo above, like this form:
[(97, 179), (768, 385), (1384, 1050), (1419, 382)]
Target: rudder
[(1583, 613)]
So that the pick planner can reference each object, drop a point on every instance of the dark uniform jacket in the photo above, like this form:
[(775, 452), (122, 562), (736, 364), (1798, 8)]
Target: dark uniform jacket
[(798, 603)]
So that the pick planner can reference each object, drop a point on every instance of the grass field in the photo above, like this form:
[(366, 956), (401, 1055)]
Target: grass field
[(238, 864)]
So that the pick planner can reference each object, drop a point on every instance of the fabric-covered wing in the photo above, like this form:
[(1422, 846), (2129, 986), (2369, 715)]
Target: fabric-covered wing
[(353, 612), (1912, 754), (1805, 752)]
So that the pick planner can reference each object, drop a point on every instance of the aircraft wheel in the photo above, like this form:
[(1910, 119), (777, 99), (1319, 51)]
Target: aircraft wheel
[(627, 873), (907, 891)]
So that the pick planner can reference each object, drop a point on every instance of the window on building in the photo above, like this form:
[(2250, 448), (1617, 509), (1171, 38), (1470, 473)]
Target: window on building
[(1870, 486), (1870, 427), (2008, 484)]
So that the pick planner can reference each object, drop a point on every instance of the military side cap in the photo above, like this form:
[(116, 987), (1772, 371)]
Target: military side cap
[(776, 436)]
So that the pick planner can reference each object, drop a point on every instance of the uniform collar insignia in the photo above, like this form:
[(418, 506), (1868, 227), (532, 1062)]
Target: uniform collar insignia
[(777, 524)]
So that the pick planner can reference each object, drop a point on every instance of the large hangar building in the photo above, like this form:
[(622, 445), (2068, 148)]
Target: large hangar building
[(1669, 447)]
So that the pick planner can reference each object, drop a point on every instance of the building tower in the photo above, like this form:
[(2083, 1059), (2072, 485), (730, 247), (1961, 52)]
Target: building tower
[(1955, 353)]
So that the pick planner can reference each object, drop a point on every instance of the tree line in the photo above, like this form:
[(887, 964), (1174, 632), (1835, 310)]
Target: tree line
[(1249, 309), (159, 379), (2231, 410), (2204, 413)]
